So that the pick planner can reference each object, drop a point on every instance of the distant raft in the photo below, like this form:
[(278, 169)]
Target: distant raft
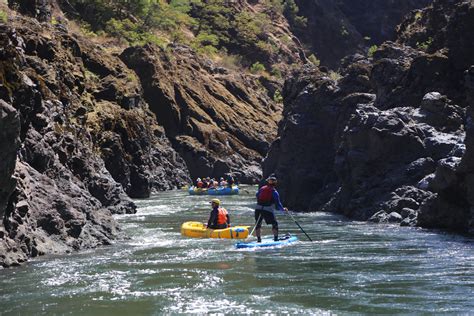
[(199, 230), (267, 241), (214, 191)]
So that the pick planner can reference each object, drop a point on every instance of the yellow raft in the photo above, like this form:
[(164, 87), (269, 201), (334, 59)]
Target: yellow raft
[(199, 230)]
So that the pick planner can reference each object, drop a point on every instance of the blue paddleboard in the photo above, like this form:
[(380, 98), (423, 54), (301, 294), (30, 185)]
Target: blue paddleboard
[(267, 242)]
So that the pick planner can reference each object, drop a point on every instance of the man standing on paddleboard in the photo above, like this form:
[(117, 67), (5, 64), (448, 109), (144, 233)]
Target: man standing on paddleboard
[(268, 200)]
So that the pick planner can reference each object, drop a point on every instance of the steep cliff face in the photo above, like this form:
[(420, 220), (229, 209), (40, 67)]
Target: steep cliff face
[(218, 120), (396, 142), (74, 120), (315, 114), (447, 27), (336, 29)]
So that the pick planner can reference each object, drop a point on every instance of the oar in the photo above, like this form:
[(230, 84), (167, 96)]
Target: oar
[(299, 226)]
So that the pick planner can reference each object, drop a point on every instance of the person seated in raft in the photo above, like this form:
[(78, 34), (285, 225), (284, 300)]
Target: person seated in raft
[(219, 217), (222, 182), (211, 184), (199, 183), (230, 181)]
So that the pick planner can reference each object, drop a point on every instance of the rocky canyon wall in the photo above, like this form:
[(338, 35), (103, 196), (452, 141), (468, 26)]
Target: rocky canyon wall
[(84, 141), (398, 148), (336, 29), (85, 127)]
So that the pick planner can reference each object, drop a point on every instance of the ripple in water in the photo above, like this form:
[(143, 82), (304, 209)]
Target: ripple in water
[(351, 267)]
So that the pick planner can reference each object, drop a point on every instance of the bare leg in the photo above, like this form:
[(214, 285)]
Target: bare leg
[(258, 232), (275, 233)]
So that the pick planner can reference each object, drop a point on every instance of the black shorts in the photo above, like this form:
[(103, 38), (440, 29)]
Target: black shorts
[(268, 216), (221, 226)]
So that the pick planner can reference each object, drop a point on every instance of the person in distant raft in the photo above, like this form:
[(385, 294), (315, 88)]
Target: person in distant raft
[(219, 217), (267, 200)]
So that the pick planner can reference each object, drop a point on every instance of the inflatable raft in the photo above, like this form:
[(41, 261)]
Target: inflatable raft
[(224, 191), (214, 191), (199, 230), (267, 241), (197, 191)]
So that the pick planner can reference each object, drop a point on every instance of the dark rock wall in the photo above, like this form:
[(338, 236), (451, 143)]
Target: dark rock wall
[(316, 111), (399, 142), (9, 143), (74, 119), (452, 205), (336, 29)]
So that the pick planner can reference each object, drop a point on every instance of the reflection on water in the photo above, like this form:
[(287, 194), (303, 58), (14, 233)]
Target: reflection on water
[(351, 267)]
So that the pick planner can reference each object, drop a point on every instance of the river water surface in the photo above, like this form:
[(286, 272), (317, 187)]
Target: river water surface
[(351, 267)]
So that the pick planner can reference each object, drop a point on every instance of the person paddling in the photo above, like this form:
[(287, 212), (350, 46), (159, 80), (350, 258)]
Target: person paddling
[(219, 217), (267, 200)]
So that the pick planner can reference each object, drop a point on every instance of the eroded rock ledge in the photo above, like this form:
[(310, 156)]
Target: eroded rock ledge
[(218, 120)]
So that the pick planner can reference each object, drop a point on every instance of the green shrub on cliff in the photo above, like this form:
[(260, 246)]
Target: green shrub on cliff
[(257, 68), (277, 97), (139, 16), (424, 45), (206, 43), (274, 7), (3, 17), (314, 60), (276, 72), (251, 28), (291, 10), (335, 76), (131, 33), (372, 50), (213, 17)]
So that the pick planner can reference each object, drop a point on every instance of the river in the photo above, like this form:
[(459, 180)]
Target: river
[(350, 267)]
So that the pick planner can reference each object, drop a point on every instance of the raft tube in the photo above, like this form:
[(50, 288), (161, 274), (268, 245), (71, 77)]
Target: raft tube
[(199, 230), (197, 191), (224, 191)]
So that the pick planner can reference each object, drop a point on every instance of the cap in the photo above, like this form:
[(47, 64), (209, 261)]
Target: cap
[(217, 201), (272, 178)]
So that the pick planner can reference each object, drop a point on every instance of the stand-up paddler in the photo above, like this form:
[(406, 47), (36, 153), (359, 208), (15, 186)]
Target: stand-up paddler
[(268, 200)]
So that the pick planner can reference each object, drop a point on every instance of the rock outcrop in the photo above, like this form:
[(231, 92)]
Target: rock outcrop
[(396, 149), (218, 120), (84, 141), (336, 29)]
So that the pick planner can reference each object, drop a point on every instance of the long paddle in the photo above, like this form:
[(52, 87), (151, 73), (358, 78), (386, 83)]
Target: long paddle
[(299, 226), (254, 227)]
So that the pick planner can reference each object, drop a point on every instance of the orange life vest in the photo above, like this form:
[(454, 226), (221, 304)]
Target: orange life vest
[(221, 216)]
